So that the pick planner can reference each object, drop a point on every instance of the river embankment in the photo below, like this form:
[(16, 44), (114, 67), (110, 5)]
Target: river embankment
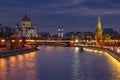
[(6, 53), (113, 53)]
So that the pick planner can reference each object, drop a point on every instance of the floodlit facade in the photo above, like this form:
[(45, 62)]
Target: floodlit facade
[(26, 29)]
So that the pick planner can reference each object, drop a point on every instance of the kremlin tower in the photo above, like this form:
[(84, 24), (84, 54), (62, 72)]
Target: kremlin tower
[(98, 35)]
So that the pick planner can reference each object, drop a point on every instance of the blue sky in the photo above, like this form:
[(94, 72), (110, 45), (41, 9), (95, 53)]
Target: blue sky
[(74, 15)]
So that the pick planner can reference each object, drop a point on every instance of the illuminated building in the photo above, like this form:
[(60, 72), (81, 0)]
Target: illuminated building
[(107, 37), (60, 32), (98, 35), (113, 34), (26, 30), (88, 35)]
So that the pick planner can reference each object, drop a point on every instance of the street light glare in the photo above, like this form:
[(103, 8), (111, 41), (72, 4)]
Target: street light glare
[(76, 40)]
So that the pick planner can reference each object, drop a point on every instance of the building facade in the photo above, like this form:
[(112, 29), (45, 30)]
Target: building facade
[(26, 29)]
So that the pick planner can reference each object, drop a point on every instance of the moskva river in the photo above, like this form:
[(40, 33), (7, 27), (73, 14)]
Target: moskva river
[(60, 63)]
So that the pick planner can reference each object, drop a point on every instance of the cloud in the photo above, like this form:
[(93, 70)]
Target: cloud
[(49, 12), (80, 7), (74, 7)]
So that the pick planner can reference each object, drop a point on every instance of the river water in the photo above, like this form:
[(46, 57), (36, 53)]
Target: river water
[(60, 63)]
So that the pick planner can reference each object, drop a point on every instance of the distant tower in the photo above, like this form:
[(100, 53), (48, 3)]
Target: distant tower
[(59, 32), (62, 32), (98, 35)]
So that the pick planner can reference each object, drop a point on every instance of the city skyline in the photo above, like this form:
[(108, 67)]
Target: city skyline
[(74, 15)]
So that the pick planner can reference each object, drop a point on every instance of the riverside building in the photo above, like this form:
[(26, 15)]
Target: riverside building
[(26, 29)]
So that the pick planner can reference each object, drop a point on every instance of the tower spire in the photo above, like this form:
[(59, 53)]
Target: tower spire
[(59, 31), (99, 23), (62, 33)]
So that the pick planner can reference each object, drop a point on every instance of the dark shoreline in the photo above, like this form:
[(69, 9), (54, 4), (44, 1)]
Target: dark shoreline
[(8, 53)]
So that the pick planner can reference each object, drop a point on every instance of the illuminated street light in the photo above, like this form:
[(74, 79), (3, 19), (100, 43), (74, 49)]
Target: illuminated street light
[(13, 41), (2, 40), (20, 40), (76, 40)]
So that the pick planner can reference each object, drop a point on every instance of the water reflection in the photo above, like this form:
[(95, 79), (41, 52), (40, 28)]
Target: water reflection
[(20, 67), (76, 65), (60, 64), (12, 67), (21, 61), (114, 67), (76, 49), (49, 48), (94, 64), (3, 69)]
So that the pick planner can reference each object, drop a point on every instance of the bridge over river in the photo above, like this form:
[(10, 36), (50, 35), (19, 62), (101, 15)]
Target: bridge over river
[(43, 41), (53, 42)]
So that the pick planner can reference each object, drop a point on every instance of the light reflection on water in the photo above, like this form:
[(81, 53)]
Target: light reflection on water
[(62, 63), (20, 67), (76, 65), (114, 67), (3, 69)]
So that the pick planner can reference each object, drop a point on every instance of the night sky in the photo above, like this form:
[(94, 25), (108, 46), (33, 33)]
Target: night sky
[(74, 15)]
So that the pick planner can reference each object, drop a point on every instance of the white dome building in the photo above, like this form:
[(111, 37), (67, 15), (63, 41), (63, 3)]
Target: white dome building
[(26, 29)]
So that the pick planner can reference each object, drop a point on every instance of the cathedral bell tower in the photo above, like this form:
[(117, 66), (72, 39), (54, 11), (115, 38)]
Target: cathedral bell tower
[(98, 35), (60, 32)]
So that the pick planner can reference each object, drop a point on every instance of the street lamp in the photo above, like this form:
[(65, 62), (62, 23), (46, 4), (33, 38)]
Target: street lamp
[(20, 40), (76, 41), (13, 41), (3, 40)]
